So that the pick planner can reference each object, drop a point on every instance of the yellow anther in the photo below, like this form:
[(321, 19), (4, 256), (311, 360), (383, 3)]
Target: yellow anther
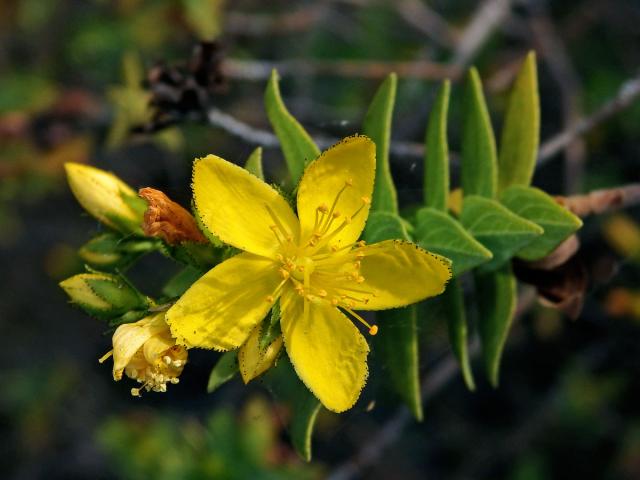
[(335, 301), (299, 289), (360, 279), (336, 214), (322, 293), (324, 208), (357, 264), (361, 243), (349, 182), (270, 298), (279, 257), (366, 200), (373, 330), (300, 268), (135, 392), (284, 273), (359, 256)]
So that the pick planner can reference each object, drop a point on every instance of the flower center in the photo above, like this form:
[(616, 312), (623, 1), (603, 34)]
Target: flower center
[(321, 272), (166, 369)]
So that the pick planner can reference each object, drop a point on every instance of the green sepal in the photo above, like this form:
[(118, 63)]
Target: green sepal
[(288, 389), (270, 327), (497, 298), (377, 126), (521, 130), (297, 145), (200, 255), (538, 207), (436, 159), (180, 283), (386, 226), (225, 369), (479, 175), (499, 229), (453, 302), (440, 233), (254, 163)]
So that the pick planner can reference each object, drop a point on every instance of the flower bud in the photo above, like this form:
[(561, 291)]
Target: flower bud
[(109, 251), (254, 361), (106, 197), (146, 352), (103, 295)]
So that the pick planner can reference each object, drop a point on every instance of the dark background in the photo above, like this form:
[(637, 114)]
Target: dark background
[(568, 402)]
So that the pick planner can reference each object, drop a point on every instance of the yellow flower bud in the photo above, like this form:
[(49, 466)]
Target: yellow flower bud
[(254, 361), (146, 352), (103, 295), (106, 197)]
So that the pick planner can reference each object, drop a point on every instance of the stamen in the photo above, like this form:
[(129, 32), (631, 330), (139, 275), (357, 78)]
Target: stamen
[(373, 329), (269, 299), (279, 225)]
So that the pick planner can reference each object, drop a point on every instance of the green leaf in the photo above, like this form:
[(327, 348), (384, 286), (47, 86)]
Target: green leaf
[(497, 298), (377, 126), (287, 388), (499, 229), (225, 370), (179, 283), (397, 340), (436, 161), (440, 233), (458, 331), (254, 163), (397, 344), (297, 146), (521, 131), (479, 174), (385, 226), (535, 205)]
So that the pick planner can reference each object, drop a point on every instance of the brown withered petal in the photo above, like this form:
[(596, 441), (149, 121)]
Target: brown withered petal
[(167, 220), (560, 255), (601, 201), (562, 287)]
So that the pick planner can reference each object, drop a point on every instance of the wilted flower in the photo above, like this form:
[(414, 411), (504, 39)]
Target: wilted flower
[(146, 352)]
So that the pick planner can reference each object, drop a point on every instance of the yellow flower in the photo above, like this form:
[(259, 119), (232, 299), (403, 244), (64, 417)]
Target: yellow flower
[(313, 263), (106, 197), (146, 352)]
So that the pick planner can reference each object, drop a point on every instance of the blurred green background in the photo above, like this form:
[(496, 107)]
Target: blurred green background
[(71, 88)]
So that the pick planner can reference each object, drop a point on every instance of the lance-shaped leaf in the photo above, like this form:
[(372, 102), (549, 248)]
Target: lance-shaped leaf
[(254, 163), (377, 126), (224, 370), (521, 130), (436, 161), (297, 146), (288, 389), (397, 339), (535, 205), (499, 229), (497, 298), (458, 331), (441, 233), (478, 173)]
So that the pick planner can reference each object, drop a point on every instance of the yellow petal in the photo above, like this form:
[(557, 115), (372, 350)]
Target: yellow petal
[(351, 160), (327, 351), (401, 273), (234, 205), (252, 360), (128, 338), (221, 308)]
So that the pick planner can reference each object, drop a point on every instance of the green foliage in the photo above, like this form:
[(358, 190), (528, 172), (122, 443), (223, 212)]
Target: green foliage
[(440, 233), (458, 331), (180, 282), (270, 329), (377, 126), (170, 447), (501, 231), (521, 130), (497, 298), (297, 146), (436, 161), (478, 155), (385, 226), (254, 163), (224, 370), (288, 389), (538, 207)]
